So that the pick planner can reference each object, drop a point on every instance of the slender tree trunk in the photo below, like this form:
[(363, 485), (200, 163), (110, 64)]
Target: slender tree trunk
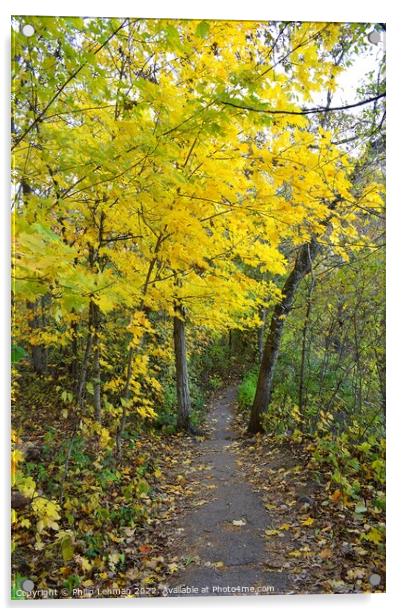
[(97, 384), (84, 368), (261, 332), (80, 395), (304, 345), (74, 354), (43, 301), (271, 349), (182, 387), (381, 371), (97, 371)]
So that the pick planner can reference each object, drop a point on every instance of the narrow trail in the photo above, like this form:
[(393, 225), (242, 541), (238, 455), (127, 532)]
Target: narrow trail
[(226, 532)]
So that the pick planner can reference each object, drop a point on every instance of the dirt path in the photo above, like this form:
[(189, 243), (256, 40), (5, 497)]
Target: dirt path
[(252, 516), (224, 536)]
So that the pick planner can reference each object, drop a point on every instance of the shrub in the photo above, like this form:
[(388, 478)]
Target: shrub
[(247, 388)]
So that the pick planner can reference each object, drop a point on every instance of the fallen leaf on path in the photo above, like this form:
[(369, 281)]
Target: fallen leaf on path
[(218, 565), (239, 523), (308, 522), (88, 583), (357, 573), (270, 532), (337, 585), (374, 535)]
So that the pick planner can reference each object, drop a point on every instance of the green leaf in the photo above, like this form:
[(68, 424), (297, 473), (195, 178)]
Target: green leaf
[(90, 388), (143, 487), (172, 36), (202, 29), (67, 548), (45, 231), (17, 353)]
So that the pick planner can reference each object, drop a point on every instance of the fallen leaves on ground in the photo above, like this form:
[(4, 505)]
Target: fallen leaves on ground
[(323, 541)]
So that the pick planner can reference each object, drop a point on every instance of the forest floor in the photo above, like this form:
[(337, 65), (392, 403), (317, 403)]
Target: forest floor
[(222, 513), (252, 519)]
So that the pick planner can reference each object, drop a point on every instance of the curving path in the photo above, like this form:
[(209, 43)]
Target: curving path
[(230, 558)]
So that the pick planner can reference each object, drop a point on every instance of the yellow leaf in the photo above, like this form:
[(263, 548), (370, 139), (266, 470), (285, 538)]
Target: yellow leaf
[(375, 536), (85, 564), (325, 553), (88, 583), (357, 573), (105, 438), (219, 564), (308, 522), (114, 558), (271, 532)]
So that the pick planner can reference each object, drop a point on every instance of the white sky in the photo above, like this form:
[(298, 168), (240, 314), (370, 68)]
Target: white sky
[(353, 77)]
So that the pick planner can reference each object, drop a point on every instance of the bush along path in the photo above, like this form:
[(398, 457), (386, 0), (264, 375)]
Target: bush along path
[(259, 520)]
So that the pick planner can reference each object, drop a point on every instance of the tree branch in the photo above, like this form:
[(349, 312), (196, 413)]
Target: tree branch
[(40, 117), (304, 111)]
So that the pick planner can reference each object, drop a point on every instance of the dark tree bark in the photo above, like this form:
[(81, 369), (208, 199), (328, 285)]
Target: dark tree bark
[(74, 365), (182, 387), (381, 370), (80, 394), (304, 349), (97, 370), (261, 332), (263, 392)]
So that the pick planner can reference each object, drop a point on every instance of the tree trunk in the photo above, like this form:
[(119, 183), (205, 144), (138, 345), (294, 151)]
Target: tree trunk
[(271, 349), (304, 346), (381, 371), (80, 394), (182, 388), (97, 384), (261, 331), (74, 355), (97, 371)]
